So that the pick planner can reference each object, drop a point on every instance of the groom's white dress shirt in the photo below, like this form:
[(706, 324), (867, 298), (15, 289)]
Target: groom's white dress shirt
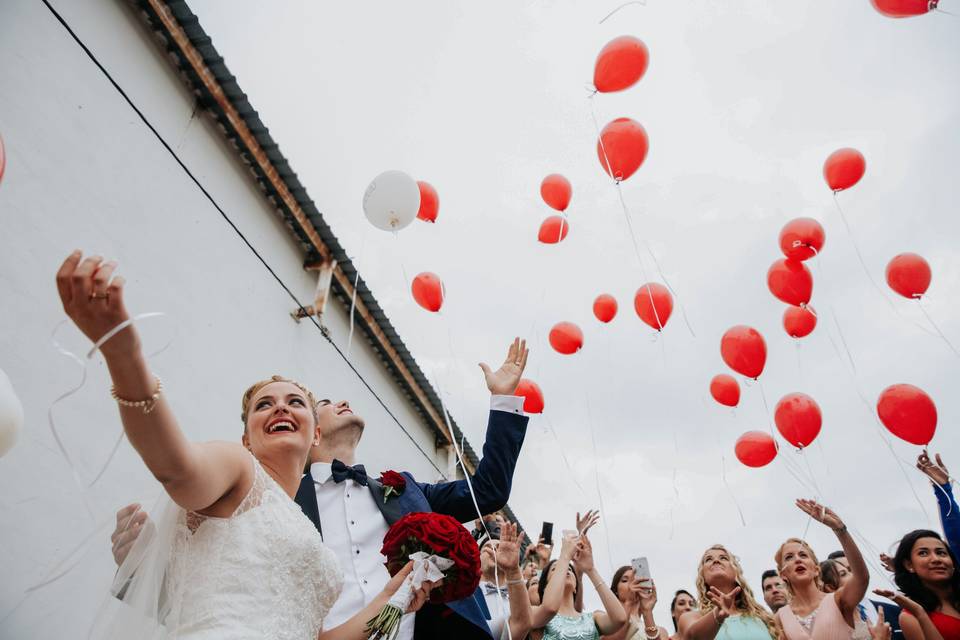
[(354, 528)]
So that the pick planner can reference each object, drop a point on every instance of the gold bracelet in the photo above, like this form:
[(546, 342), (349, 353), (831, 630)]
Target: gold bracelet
[(146, 405)]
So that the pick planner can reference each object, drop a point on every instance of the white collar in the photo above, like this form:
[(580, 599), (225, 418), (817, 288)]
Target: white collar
[(321, 472)]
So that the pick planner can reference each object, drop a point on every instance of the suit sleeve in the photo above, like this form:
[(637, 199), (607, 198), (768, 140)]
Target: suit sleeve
[(949, 515), (494, 475)]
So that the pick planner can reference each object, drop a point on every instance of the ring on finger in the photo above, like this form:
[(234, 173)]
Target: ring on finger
[(99, 296)]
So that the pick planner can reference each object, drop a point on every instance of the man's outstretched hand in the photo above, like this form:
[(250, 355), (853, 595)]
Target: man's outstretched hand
[(504, 381)]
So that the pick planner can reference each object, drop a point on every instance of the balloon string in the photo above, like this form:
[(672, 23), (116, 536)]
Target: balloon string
[(563, 455), (625, 4), (353, 295), (866, 270), (74, 471), (596, 475), (656, 264), (723, 476), (936, 327)]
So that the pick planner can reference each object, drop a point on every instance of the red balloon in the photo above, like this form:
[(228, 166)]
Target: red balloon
[(556, 191), (605, 307), (904, 8), (908, 413), (566, 338), (429, 202), (653, 304), (553, 230), (532, 396), (3, 160), (909, 275), (790, 281), (801, 238), (725, 389), (799, 321), (844, 168), (798, 419), (755, 449), (622, 148), (621, 63), (428, 291), (744, 350)]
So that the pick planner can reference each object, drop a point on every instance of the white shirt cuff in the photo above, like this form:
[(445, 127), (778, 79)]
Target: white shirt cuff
[(510, 404)]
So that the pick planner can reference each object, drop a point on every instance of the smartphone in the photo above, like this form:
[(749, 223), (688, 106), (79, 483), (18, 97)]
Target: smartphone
[(570, 533), (641, 568), (546, 533)]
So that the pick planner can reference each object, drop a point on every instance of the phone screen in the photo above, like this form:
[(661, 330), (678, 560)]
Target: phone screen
[(641, 568), (546, 533)]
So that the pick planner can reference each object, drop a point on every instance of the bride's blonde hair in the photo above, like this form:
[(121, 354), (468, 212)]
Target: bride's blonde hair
[(746, 603), (256, 386)]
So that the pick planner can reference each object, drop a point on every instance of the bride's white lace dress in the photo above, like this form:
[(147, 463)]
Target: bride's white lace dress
[(261, 573)]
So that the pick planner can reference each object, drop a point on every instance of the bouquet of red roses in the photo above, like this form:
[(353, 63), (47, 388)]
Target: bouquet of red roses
[(441, 549)]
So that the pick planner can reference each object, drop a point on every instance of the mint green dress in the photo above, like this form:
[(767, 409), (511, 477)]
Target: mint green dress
[(743, 628), (581, 627)]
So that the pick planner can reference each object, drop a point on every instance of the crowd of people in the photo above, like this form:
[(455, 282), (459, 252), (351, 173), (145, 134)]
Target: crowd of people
[(804, 598), (279, 535)]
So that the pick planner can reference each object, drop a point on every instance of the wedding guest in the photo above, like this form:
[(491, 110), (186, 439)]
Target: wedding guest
[(682, 602), (868, 608), (728, 609), (279, 579), (353, 511), (774, 591), (835, 613), (531, 569), (638, 597), (557, 615), (943, 489), (507, 600), (925, 570)]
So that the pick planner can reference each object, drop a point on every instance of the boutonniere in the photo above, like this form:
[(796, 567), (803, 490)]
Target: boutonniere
[(393, 484)]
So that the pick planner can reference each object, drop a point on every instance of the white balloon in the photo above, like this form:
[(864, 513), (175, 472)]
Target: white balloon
[(391, 201), (11, 415)]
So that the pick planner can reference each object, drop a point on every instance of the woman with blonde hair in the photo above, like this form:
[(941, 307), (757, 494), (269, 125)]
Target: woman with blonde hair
[(812, 613), (728, 610), (232, 555)]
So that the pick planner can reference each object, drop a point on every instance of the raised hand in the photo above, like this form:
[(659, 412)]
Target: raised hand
[(821, 513), (936, 472), (647, 593), (726, 603), (504, 381), (887, 563), (130, 522), (589, 519), (583, 558), (903, 601), (568, 546), (93, 299), (880, 630), (508, 548)]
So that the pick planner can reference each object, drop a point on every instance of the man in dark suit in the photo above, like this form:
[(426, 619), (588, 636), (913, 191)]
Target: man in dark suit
[(352, 511)]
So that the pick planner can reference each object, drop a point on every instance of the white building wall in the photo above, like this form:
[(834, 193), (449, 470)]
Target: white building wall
[(84, 172)]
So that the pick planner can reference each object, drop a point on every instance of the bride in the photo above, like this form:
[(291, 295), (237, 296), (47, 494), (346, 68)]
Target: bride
[(232, 556)]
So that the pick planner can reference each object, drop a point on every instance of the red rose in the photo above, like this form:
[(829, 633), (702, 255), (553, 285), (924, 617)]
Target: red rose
[(439, 534), (393, 480)]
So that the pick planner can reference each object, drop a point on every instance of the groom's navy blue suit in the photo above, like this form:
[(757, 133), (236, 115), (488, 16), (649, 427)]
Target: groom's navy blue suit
[(463, 619)]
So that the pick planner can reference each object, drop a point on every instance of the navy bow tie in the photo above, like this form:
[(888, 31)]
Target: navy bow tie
[(489, 589), (341, 472)]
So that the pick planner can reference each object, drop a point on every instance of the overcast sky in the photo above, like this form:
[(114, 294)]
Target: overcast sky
[(742, 103)]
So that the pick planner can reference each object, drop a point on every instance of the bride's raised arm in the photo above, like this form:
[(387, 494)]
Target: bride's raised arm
[(194, 475)]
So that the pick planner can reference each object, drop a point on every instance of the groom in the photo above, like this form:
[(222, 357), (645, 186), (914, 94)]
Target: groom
[(352, 511)]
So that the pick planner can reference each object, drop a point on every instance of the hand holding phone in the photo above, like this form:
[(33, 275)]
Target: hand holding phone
[(546, 534), (641, 568)]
